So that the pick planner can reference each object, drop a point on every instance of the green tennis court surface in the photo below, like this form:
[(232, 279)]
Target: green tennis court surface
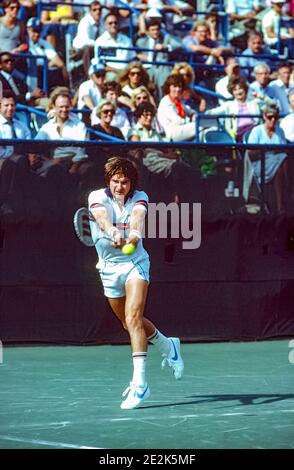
[(233, 395)]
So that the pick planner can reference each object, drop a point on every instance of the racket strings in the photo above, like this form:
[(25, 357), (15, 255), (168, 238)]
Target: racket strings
[(86, 225)]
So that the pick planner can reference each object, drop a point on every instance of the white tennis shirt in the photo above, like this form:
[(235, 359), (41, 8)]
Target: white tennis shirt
[(120, 219)]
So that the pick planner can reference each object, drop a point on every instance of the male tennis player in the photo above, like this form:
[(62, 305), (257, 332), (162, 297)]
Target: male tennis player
[(119, 211)]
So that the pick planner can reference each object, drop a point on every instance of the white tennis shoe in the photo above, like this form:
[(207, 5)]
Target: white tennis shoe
[(135, 396), (174, 358)]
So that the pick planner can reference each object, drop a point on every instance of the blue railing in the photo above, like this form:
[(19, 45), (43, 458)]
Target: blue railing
[(198, 118), (102, 56), (33, 70)]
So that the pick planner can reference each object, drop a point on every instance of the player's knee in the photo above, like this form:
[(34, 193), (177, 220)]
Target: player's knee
[(134, 319)]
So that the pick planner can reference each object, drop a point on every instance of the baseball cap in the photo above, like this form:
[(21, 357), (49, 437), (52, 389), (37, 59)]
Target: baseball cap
[(35, 24), (278, 1), (96, 67)]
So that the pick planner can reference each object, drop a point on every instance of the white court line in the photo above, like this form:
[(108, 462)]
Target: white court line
[(235, 430), (119, 419), (47, 443)]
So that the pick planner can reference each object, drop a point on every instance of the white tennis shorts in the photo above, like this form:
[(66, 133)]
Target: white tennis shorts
[(115, 275)]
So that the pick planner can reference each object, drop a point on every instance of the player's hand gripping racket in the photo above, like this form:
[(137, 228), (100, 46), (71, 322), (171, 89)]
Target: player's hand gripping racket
[(81, 222)]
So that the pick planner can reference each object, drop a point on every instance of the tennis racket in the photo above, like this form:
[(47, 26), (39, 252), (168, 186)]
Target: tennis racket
[(81, 222)]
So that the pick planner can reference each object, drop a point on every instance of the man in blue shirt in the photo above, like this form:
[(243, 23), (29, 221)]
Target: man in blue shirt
[(256, 50)]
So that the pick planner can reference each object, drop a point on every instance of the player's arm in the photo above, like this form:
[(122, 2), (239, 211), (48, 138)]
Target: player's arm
[(101, 217), (137, 223)]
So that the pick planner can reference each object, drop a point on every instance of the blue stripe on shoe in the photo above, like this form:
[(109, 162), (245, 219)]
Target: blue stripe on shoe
[(175, 358), (141, 395)]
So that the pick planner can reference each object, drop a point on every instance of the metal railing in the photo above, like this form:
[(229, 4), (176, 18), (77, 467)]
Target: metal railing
[(33, 70)]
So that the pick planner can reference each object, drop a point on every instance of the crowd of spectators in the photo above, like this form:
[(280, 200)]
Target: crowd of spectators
[(140, 87)]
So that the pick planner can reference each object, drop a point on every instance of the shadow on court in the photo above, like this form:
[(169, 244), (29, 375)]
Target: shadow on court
[(246, 399)]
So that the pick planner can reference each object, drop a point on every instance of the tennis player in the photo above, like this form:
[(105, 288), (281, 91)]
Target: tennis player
[(119, 211)]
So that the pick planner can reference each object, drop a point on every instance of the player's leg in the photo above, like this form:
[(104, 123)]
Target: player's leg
[(168, 347), (118, 307), (136, 294)]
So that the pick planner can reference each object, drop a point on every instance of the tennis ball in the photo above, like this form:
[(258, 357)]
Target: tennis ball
[(128, 249)]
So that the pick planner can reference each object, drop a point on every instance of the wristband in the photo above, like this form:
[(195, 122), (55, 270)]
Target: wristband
[(113, 231), (135, 233)]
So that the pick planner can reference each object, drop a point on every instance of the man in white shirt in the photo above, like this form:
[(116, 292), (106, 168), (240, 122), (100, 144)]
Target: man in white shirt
[(282, 86), (89, 28), (90, 90), (113, 39), (260, 88), (64, 125), (58, 74), (254, 53)]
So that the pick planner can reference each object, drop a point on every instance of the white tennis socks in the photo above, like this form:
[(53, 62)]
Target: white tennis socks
[(139, 363), (160, 341)]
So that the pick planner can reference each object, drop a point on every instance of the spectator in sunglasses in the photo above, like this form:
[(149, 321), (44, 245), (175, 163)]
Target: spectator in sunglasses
[(12, 83), (111, 38), (105, 111), (132, 77), (12, 30), (276, 163)]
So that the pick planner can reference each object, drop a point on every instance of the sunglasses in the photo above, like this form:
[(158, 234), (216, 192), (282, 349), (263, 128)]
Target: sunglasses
[(142, 98), (14, 8), (112, 22), (96, 9), (107, 111), (135, 73), (271, 117), (6, 61)]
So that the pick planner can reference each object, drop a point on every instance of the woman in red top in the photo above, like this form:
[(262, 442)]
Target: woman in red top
[(176, 118)]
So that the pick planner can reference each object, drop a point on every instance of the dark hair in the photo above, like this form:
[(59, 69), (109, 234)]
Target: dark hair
[(7, 94), (7, 3), (152, 22), (237, 81), (111, 13), (2, 53), (255, 33), (173, 79), (144, 107), (284, 64), (113, 86), (94, 4), (118, 165)]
